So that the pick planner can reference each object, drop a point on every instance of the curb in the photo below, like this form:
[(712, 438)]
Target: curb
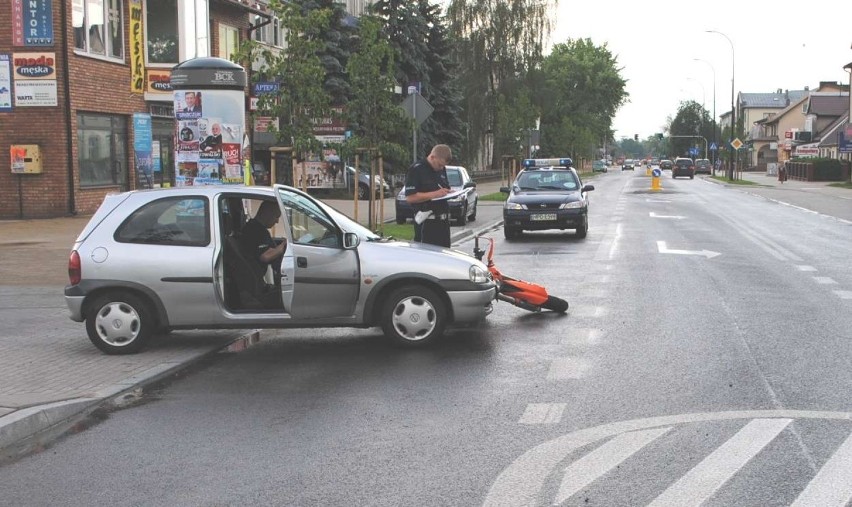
[(33, 428)]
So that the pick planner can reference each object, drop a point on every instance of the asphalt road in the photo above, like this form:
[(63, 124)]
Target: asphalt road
[(705, 359)]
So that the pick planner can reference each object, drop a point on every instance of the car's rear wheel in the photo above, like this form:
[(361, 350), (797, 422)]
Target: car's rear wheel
[(414, 316), (400, 220), (120, 323)]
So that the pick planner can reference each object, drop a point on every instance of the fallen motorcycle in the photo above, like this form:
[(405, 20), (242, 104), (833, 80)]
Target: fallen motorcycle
[(527, 295)]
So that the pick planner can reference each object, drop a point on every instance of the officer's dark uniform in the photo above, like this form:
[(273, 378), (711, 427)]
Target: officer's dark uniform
[(436, 229)]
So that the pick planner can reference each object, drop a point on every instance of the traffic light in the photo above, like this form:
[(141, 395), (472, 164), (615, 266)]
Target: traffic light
[(660, 136), (635, 137)]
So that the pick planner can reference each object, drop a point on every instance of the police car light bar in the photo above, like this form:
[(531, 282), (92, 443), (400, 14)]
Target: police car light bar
[(547, 162)]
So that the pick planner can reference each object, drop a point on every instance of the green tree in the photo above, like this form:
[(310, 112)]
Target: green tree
[(300, 72), (419, 38), (582, 91), (373, 111), (499, 43), (335, 41), (691, 119)]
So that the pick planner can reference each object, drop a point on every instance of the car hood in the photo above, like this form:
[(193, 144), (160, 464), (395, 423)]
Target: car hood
[(538, 197), (396, 256)]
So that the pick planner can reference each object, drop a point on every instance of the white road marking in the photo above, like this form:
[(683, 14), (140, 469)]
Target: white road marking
[(806, 268), (585, 470), (676, 217), (588, 311), (701, 482), (543, 413), (581, 337), (567, 368), (613, 249), (663, 249), (844, 294), (824, 280), (522, 481), (833, 483), (658, 200)]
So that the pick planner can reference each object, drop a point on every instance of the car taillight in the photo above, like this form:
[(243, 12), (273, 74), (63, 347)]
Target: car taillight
[(75, 273)]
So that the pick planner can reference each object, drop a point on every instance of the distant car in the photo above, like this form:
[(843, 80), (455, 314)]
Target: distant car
[(666, 165), (683, 167), (628, 164), (543, 198), (154, 260), (703, 166), (364, 183), (462, 208), (599, 166)]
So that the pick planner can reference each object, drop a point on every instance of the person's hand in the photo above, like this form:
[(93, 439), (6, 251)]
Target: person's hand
[(441, 192)]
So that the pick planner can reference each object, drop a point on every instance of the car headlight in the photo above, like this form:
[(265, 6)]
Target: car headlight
[(477, 274), (571, 205), (400, 197), (514, 205), (456, 199)]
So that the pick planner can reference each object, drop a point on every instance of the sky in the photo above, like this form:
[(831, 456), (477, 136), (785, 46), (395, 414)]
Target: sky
[(778, 44)]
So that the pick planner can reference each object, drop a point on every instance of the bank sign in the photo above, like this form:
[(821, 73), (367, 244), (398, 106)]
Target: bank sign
[(32, 23)]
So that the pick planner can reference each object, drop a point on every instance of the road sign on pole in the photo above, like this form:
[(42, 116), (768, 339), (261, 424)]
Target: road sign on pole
[(418, 108)]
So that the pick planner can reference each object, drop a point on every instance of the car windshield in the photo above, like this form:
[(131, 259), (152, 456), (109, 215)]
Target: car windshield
[(349, 225), (547, 180), (454, 177)]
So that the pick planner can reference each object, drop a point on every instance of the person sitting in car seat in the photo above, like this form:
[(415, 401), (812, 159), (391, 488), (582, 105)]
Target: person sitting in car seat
[(257, 242)]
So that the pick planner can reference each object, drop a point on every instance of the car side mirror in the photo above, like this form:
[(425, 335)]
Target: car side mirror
[(587, 188), (470, 184), (505, 190), (350, 241)]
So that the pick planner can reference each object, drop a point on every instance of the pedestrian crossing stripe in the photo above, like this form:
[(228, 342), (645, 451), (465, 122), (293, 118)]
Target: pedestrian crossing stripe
[(523, 480)]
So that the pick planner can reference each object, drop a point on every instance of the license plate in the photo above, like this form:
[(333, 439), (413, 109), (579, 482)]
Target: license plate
[(543, 217)]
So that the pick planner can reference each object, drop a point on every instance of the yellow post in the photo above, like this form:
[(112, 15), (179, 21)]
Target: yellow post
[(655, 180)]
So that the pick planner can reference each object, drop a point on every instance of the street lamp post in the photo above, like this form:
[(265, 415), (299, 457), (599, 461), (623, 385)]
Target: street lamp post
[(733, 109), (714, 108)]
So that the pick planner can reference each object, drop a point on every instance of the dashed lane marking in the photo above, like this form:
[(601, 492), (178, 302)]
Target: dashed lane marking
[(543, 413), (824, 280)]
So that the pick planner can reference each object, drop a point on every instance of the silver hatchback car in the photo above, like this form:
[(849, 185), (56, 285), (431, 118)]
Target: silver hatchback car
[(153, 260)]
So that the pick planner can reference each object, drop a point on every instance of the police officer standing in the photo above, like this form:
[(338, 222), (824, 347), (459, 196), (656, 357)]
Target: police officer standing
[(425, 185)]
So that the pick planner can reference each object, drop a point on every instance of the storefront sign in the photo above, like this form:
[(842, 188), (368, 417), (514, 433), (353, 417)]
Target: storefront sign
[(32, 23), (35, 79), (137, 57), (5, 83), (158, 82), (807, 150)]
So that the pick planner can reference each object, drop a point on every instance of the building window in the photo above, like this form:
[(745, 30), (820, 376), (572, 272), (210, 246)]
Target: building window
[(161, 26), (229, 40), (98, 27), (102, 150)]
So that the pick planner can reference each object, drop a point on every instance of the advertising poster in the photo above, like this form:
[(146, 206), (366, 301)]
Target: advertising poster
[(5, 83), (32, 23), (318, 174), (35, 79), (209, 134), (142, 149)]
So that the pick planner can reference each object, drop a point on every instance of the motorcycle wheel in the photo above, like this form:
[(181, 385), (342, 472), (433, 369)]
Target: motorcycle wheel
[(555, 304)]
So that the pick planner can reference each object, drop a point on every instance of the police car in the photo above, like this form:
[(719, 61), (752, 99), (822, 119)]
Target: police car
[(546, 194)]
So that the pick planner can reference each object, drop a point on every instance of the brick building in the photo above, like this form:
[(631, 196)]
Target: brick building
[(74, 73)]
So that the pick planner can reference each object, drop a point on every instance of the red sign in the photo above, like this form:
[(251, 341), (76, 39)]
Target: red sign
[(788, 134)]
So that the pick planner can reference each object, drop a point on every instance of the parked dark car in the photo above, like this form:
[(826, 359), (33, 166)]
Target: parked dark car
[(702, 165), (462, 207), (364, 183), (683, 167)]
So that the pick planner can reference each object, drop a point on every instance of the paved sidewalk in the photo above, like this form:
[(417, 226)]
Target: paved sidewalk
[(51, 376)]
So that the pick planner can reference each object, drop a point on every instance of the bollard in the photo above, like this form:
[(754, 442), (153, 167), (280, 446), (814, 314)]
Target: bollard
[(655, 180)]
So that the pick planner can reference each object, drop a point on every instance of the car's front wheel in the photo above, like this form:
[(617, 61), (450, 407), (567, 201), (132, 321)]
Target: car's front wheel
[(120, 323), (363, 192), (511, 233), (472, 216), (583, 230), (414, 316), (463, 215)]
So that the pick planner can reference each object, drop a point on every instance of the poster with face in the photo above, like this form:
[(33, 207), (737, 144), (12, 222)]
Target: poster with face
[(206, 135)]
